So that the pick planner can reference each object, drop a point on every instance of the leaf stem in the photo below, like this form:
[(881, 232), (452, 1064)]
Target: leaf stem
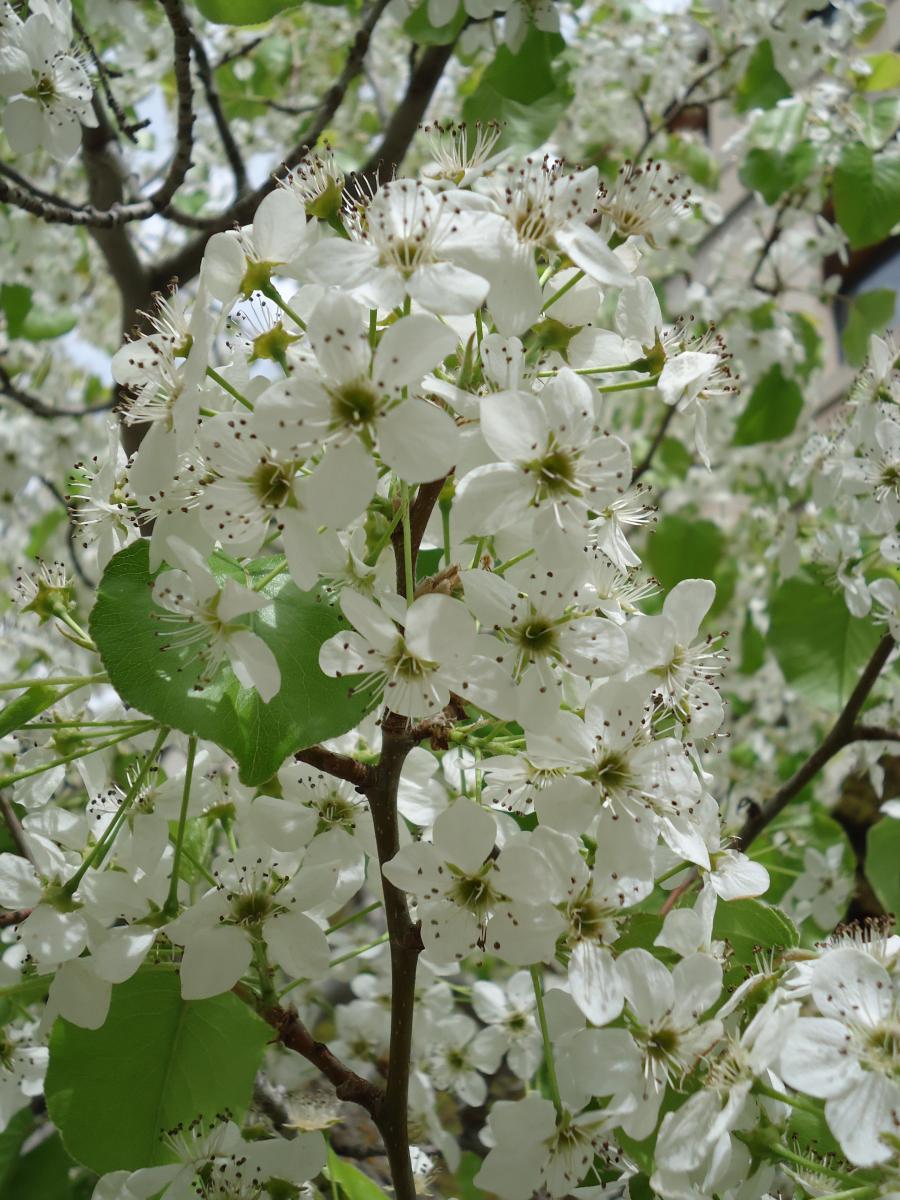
[(48, 680), (538, 985), (170, 908), (223, 383), (6, 780), (100, 849), (273, 293), (566, 287)]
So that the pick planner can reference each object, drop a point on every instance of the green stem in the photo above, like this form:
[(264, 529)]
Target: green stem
[(511, 562), (445, 529), (798, 1102), (273, 293), (373, 328), (407, 545), (357, 916), (7, 780), (629, 366), (170, 908), (810, 1164), (479, 327), (379, 941), (226, 387), (67, 619), (270, 575), (25, 684), (538, 986), (99, 851), (479, 546), (566, 287), (198, 866), (373, 556), (632, 386)]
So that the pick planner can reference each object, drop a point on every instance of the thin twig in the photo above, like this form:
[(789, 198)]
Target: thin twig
[(359, 774), (840, 735), (121, 213), (647, 461), (129, 128), (348, 1085), (10, 389), (14, 827), (185, 263), (229, 145)]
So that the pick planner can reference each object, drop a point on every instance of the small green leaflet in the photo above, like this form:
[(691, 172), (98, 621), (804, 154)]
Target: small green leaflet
[(866, 192), (243, 12), (762, 85), (21, 710), (751, 924), (309, 707), (351, 1180), (820, 647), (772, 410), (883, 862), (872, 312), (157, 1061)]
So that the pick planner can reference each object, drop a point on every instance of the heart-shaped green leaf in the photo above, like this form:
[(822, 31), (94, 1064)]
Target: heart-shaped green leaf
[(161, 682)]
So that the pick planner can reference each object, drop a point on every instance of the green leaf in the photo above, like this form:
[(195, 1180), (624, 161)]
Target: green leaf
[(42, 325), (243, 12), (772, 410), (884, 72), (874, 13), (780, 128), (20, 711), (876, 120), (762, 86), (675, 457), (464, 1177), (15, 300), (866, 192), (156, 1062), (419, 28), (883, 862), (309, 707), (820, 647), (751, 924), (42, 530), (772, 173), (808, 336), (351, 1180), (43, 1172), (525, 92), (684, 548), (694, 158), (872, 312), (753, 648), (17, 1130)]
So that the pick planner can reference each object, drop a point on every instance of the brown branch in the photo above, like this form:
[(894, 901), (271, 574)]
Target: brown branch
[(840, 735), (361, 775), (409, 113), (129, 128), (16, 917), (873, 733), (392, 1117), (647, 461), (398, 738), (229, 145), (291, 1032), (16, 832), (185, 263), (121, 213), (419, 514), (10, 389)]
